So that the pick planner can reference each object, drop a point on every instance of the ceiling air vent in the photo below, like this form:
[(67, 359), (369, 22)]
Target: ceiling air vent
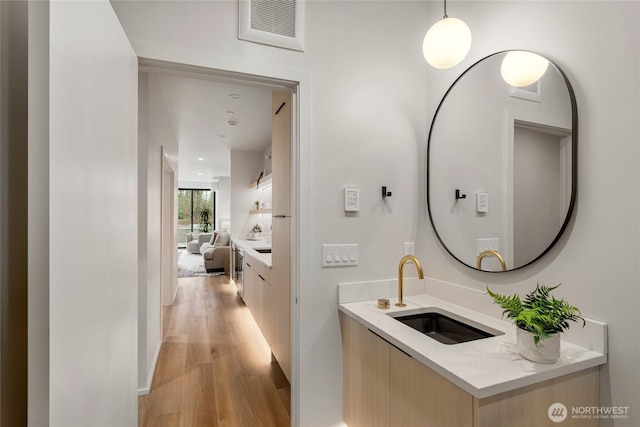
[(272, 22)]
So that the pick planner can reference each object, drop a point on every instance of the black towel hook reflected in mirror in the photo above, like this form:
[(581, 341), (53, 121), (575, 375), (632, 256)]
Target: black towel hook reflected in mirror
[(385, 193), (460, 196)]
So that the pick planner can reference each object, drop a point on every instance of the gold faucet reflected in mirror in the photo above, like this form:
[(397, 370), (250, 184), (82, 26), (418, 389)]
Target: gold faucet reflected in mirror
[(403, 261), (493, 253)]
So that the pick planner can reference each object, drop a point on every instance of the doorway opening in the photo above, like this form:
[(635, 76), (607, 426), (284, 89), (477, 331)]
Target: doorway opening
[(199, 73)]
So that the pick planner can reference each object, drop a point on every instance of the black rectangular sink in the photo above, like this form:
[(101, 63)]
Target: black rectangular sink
[(263, 250), (444, 328)]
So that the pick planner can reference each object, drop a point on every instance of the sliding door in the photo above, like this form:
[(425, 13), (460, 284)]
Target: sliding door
[(196, 212)]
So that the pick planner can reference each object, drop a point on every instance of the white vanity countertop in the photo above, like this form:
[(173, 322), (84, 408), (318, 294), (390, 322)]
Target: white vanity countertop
[(482, 368), (249, 249)]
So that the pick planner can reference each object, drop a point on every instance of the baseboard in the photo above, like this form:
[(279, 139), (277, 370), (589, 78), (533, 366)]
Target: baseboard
[(147, 389)]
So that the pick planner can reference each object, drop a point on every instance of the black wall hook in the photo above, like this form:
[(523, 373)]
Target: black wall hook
[(460, 196), (384, 192)]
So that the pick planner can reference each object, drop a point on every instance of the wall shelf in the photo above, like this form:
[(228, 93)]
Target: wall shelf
[(264, 182), (260, 211)]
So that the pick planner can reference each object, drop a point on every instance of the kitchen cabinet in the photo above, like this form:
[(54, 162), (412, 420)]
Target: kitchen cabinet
[(268, 289), (383, 386), (281, 257), (281, 153), (281, 229), (260, 298), (249, 282)]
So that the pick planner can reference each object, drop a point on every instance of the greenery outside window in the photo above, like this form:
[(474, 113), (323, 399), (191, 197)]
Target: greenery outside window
[(196, 212)]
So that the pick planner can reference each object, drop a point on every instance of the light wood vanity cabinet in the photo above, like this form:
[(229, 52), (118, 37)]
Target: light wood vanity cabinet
[(384, 387), (365, 376), (420, 397)]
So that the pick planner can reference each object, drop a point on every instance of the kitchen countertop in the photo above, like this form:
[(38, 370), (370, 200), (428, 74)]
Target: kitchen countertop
[(482, 368), (249, 249)]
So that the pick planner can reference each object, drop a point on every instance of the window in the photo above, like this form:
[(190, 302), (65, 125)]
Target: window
[(196, 213)]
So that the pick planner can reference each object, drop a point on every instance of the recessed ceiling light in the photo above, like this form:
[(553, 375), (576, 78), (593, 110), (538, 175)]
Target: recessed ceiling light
[(229, 112), (201, 158), (234, 96), (232, 122), (199, 173)]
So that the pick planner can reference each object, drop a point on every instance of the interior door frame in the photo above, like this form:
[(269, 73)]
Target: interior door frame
[(168, 279), (297, 82)]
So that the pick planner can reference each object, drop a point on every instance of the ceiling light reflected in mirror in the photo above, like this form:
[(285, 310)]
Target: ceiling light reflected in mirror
[(521, 68)]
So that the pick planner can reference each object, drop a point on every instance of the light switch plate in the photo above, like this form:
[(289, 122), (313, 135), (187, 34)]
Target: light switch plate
[(487, 244), (339, 255), (482, 202), (351, 198)]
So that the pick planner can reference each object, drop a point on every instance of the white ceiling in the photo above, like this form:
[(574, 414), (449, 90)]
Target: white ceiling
[(199, 111)]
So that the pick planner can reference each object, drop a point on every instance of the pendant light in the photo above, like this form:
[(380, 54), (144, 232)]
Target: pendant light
[(521, 68), (447, 42)]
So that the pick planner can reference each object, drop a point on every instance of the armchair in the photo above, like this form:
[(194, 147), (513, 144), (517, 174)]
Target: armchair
[(217, 255), (195, 241)]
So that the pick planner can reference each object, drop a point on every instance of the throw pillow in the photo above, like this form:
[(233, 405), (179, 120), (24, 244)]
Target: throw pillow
[(213, 238), (222, 240)]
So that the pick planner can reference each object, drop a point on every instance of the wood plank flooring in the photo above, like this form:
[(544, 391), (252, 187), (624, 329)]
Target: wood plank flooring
[(214, 366)]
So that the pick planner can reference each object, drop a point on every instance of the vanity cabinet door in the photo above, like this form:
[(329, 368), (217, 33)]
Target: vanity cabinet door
[(366, 376), (420, 397), (529, 406)]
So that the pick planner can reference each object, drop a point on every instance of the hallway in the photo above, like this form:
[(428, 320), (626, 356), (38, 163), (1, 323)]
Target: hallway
[(214, 367)]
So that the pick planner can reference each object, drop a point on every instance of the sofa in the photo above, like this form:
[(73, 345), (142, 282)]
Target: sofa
[(217, 252), (195, 241)]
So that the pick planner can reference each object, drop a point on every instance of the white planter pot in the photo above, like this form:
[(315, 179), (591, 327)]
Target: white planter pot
[(547, 350)]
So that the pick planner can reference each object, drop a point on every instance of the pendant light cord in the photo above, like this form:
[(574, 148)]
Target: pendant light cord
[(445, 9)]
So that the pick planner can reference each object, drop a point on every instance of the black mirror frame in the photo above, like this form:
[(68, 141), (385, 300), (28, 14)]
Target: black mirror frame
[(574, 163)]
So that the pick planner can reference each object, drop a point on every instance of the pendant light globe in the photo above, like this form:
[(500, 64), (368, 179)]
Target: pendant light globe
[(446, 43)]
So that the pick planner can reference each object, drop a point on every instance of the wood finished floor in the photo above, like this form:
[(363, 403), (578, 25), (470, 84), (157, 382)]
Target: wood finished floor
[(214, 366)]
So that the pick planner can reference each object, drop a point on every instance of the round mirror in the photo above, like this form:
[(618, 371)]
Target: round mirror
[(502, 169)]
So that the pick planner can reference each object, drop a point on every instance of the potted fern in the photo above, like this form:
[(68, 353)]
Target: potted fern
[(540, 318)]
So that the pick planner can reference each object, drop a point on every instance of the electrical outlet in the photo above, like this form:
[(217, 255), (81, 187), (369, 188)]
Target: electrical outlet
[(409, 248)]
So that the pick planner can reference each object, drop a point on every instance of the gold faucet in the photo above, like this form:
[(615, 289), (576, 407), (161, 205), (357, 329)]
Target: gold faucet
[(495, 254), (403, 261)]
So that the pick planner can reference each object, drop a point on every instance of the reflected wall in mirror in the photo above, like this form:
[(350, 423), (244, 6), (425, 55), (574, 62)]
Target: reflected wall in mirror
[(502, 169)]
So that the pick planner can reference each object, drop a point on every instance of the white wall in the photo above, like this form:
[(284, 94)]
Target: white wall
[(223, 202), (245, 169), (538, 208), (199, 185), (364, 122), (155, 133), (146, 318), (367, 98), (93, 221), (597, 258)]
